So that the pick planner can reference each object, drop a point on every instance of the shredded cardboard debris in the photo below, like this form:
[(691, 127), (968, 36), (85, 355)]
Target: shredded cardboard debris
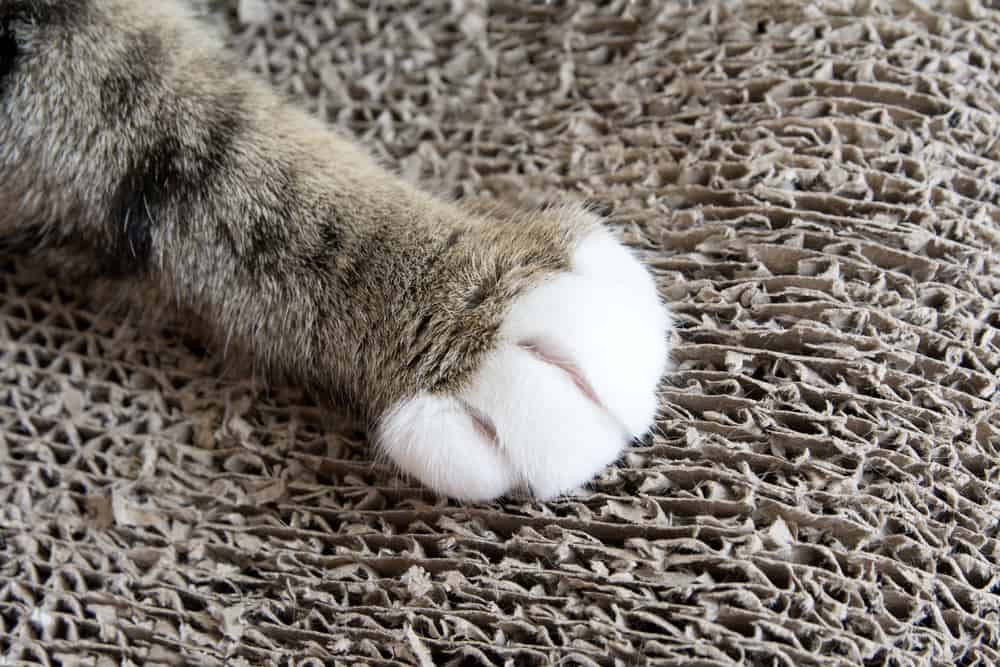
[(816, 187)]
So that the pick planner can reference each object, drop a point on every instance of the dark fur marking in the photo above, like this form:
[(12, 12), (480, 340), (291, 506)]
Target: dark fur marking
[(166, 176), (227, 122), (30, 13), (266, 243), (44, 12), (416, 355), (601, 208), (267, 230), (330, 235), (320, 259), (131, 84), (141, 195), (8, 53), (40, 13), (477, 297), (18, 16), (131, 243)]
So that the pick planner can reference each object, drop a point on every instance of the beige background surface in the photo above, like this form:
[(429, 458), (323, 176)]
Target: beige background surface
[(817, 195)]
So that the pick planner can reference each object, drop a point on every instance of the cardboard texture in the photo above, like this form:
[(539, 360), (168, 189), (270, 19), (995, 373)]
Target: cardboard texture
[(816, 187)]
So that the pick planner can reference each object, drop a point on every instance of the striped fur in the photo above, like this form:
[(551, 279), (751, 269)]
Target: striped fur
[(133, 148), (130, 140)]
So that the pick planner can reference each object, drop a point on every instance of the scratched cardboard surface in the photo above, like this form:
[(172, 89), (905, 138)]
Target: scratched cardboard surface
[(818, 196)]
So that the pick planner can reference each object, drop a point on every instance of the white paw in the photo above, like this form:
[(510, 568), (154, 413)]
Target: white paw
[(571, 382)]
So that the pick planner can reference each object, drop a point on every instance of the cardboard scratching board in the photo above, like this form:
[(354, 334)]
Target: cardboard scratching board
[(817, 194)]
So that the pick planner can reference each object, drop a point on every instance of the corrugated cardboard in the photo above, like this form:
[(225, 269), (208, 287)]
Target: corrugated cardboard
[(815, 186)]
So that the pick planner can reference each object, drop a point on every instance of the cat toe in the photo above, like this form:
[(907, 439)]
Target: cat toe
[(440, 441), (572, 380), (605, 316)]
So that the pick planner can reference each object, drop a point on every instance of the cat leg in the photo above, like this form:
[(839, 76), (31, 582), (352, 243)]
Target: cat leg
[(489, 352)]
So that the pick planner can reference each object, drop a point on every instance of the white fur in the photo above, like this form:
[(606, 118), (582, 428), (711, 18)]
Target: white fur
[(604, 322)]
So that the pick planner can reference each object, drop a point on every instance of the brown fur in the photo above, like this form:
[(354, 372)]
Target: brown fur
[(132, 145)]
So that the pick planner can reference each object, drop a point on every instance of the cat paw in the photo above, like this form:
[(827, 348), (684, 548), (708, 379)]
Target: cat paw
[(571, 381)]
